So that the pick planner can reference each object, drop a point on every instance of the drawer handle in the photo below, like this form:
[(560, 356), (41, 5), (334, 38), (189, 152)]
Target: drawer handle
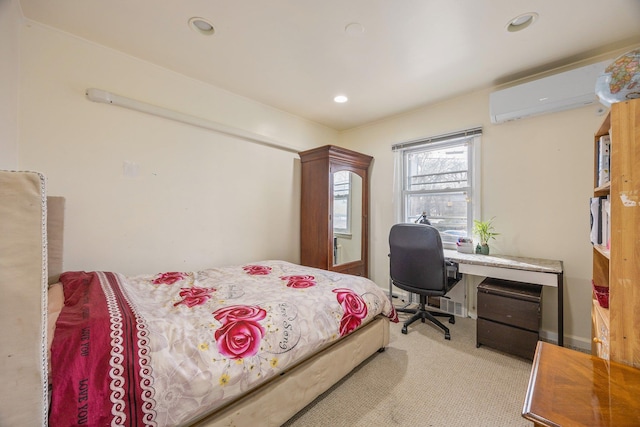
[(597, 340)]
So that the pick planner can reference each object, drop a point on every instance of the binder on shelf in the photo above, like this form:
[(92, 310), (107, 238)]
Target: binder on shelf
[(600, 220), (596, 223), (604, 149), (606, 222)]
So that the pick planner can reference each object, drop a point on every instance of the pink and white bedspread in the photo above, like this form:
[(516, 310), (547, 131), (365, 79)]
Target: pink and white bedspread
[(165, 349)]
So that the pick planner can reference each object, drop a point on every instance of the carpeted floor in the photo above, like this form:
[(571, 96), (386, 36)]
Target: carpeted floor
[(423, 380)]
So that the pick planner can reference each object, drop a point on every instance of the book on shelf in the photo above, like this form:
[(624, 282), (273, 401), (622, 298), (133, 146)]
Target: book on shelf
[(600, 211), (604, 149), (596, 208), (606, 222)]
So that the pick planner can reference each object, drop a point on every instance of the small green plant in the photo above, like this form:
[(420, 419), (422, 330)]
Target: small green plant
[(484, 230)]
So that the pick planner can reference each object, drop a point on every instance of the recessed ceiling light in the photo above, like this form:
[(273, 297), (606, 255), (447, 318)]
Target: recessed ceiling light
[(521, 22), (201, 26), (354, 29), (340, 99)]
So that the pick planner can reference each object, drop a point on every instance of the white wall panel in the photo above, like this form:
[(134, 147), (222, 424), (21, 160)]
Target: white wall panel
[(10, 19), (146, 194)]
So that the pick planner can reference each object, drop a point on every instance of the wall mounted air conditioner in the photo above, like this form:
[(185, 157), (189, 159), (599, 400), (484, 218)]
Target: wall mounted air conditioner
[(562, 91)]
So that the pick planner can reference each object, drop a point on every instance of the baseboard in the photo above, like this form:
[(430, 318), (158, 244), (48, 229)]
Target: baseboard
[(572, 342)]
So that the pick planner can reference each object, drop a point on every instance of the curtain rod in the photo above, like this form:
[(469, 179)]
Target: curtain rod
[(98, 95), (431, 139)]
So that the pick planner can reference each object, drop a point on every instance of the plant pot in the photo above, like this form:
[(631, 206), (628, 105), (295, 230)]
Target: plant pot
[(484, 249)]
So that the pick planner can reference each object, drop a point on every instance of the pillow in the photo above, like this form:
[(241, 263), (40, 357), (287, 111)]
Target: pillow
[(55, 229), (55, 297)]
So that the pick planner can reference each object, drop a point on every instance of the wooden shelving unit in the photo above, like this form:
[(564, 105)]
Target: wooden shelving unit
[(568, 387), (616, 330)]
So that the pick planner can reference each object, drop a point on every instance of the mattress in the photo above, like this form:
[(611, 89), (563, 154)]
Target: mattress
[(168, 348)]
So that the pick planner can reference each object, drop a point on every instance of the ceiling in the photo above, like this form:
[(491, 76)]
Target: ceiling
[(296, 55)]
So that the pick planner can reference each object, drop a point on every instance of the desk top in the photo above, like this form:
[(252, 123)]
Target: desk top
[(505, 261), (570, 388)]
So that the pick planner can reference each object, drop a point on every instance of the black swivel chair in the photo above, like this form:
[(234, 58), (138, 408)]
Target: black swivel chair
[(418, 266)]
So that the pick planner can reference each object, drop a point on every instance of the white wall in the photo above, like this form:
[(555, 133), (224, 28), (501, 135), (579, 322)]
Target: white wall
[(10, 20), (200, 198), (536, 180)]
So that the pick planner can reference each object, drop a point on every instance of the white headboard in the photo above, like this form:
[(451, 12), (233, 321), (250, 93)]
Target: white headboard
[(24, 266)]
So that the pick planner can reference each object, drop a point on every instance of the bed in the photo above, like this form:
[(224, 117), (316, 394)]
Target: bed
[(252, 350)]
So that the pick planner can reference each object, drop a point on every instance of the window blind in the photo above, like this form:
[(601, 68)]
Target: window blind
[(446, 137)]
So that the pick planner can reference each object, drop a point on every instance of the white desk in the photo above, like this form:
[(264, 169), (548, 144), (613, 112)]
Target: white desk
[(519, 269)]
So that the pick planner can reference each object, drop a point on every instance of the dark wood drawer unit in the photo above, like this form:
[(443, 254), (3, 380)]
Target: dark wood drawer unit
[(509, 316)]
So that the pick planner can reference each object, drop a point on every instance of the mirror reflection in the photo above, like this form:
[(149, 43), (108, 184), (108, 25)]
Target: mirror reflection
[(347, 217)]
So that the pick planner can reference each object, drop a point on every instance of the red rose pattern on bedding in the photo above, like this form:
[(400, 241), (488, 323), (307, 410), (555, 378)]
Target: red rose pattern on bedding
[(169, 278), (354, 308), (257, 270), (145, 350), (241, 334), (194, 296), (299, 281)]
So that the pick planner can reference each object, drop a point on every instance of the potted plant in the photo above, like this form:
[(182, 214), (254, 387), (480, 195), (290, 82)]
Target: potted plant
[(485, 231)]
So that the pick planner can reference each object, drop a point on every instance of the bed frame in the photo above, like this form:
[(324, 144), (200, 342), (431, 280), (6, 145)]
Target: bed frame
[(31, 230)]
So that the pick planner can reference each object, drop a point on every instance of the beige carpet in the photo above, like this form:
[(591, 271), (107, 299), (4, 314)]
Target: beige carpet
[(423, 380)]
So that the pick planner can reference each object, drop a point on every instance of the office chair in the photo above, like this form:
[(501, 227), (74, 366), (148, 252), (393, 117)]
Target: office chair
[(417, 265)]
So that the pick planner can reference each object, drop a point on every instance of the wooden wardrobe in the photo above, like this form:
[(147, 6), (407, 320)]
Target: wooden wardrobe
[(334, 224)]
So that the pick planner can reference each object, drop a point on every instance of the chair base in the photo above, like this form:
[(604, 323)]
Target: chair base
[(423, 314)]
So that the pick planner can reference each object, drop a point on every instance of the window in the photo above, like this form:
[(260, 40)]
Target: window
[(342, 202), (438, 176)]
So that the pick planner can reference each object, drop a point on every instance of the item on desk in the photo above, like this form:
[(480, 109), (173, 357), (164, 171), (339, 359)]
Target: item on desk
[(422, 219), (482, 249), (464, 245), (485, 231)]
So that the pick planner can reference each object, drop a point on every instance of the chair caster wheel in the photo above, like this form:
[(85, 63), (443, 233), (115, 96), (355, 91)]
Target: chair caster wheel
[(447, 336), (452, 320), (404, 330)]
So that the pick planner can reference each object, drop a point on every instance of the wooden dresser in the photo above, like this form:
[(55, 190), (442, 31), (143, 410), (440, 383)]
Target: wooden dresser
[(570, 388), (334, 223)]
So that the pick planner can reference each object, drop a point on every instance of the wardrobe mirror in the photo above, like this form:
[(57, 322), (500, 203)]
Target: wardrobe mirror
[(347, 217)]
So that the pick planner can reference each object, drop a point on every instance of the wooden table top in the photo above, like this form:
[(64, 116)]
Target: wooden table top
[(570, 388)]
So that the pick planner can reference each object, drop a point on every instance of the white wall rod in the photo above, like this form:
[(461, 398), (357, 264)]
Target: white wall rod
[(97, 95)]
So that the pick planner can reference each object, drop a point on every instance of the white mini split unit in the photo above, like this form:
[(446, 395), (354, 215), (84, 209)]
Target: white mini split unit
[(558, 92)]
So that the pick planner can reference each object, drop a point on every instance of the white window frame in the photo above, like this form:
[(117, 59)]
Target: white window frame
[(345, 232), (471, 137)]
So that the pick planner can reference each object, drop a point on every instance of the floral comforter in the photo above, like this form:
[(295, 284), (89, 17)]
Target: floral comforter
[(164, 349)]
